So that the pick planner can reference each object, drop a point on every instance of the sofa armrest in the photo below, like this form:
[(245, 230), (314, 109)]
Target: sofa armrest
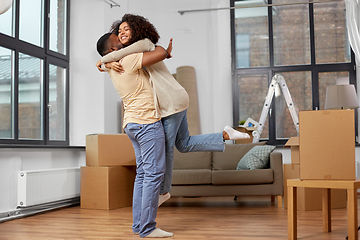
[(276, 164)]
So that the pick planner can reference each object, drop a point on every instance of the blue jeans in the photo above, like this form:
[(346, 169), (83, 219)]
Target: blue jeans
[(177, 134), (149, 145)]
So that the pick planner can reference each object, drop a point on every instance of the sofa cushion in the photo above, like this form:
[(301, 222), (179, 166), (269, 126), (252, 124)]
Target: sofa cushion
[(257, 176), (257, 158), (229, 159), (193, 160), (197, 176)]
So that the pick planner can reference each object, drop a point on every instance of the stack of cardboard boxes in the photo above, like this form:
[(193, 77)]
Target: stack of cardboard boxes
[(107, 180), (324, 150)]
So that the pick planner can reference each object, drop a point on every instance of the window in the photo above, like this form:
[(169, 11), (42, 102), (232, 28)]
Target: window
[(306, 43), (6, 92), (34, 63), (30, 113), (58, 20), (31, 22)]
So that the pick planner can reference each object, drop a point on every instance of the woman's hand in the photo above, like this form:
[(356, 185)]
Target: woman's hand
[(98, 65), (116, 66), (169, 49)]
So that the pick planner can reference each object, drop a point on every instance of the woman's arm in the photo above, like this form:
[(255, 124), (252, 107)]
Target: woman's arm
[(137, 47), (144, 45), (149, 58), (159, 54)]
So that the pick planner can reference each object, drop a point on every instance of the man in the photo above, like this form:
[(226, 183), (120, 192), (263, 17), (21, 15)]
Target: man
[(146, 133)]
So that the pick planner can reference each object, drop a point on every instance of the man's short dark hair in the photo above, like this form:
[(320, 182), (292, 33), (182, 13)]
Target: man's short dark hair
[(102, 44)]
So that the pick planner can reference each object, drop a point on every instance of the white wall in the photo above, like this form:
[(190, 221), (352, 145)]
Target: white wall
[(87, 88)]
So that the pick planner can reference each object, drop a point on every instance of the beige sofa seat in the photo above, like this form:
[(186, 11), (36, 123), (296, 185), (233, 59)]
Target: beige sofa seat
[(189, 177), (233, 177)]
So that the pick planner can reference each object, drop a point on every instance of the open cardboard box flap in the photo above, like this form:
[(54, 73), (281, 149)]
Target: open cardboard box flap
[(293, 141)]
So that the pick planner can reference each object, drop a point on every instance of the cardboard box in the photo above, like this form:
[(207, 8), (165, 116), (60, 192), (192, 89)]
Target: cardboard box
[(327, 145), (109, 150), (106, 187), (293, 143), (309, 199), (247, 130)]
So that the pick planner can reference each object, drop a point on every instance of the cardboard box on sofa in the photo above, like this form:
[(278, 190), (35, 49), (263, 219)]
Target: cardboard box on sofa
[(309, 199), (106, 187), (109, 150), (293, 143), (327, 145)]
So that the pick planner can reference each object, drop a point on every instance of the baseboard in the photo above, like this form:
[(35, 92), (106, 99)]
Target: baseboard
[(22, 212)]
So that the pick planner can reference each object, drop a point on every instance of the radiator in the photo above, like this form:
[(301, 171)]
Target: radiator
[(43, 186)]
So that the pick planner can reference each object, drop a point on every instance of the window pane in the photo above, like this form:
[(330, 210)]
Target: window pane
[(331, 41), (252, 93), (57, 116), (291, 33), (30, 97), (7, 25), (6, 89), (252, 35), (31, 22), (58, 26), (242, 50), (328, 79), (300, 88)]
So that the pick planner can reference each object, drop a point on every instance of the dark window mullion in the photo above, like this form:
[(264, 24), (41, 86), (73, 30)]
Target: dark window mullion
[(17, 18), (68, 29), (352, 73), (67, 105), (271, 35), (46, 101), (46, 26), (315, 88), (271, 117), (312, 34), (314, 70), (272, 114), (16, 95), (235, 90), (46, 73)]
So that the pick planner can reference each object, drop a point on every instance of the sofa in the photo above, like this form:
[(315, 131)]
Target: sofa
[(208, 174)]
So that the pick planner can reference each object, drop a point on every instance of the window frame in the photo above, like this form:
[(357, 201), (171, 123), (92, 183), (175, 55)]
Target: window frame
[(48, 57), (272, 69)]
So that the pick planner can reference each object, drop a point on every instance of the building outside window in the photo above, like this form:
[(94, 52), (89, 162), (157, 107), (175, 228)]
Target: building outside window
[(34, 63), (304, 42)]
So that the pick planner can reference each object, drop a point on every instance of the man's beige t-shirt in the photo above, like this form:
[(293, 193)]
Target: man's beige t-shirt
[(134, 89)]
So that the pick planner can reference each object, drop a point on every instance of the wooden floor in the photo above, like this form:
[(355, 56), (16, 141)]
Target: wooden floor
[(218, 218)]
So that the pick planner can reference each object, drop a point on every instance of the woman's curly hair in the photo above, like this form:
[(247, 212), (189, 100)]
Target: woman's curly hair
[(140, 28)]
